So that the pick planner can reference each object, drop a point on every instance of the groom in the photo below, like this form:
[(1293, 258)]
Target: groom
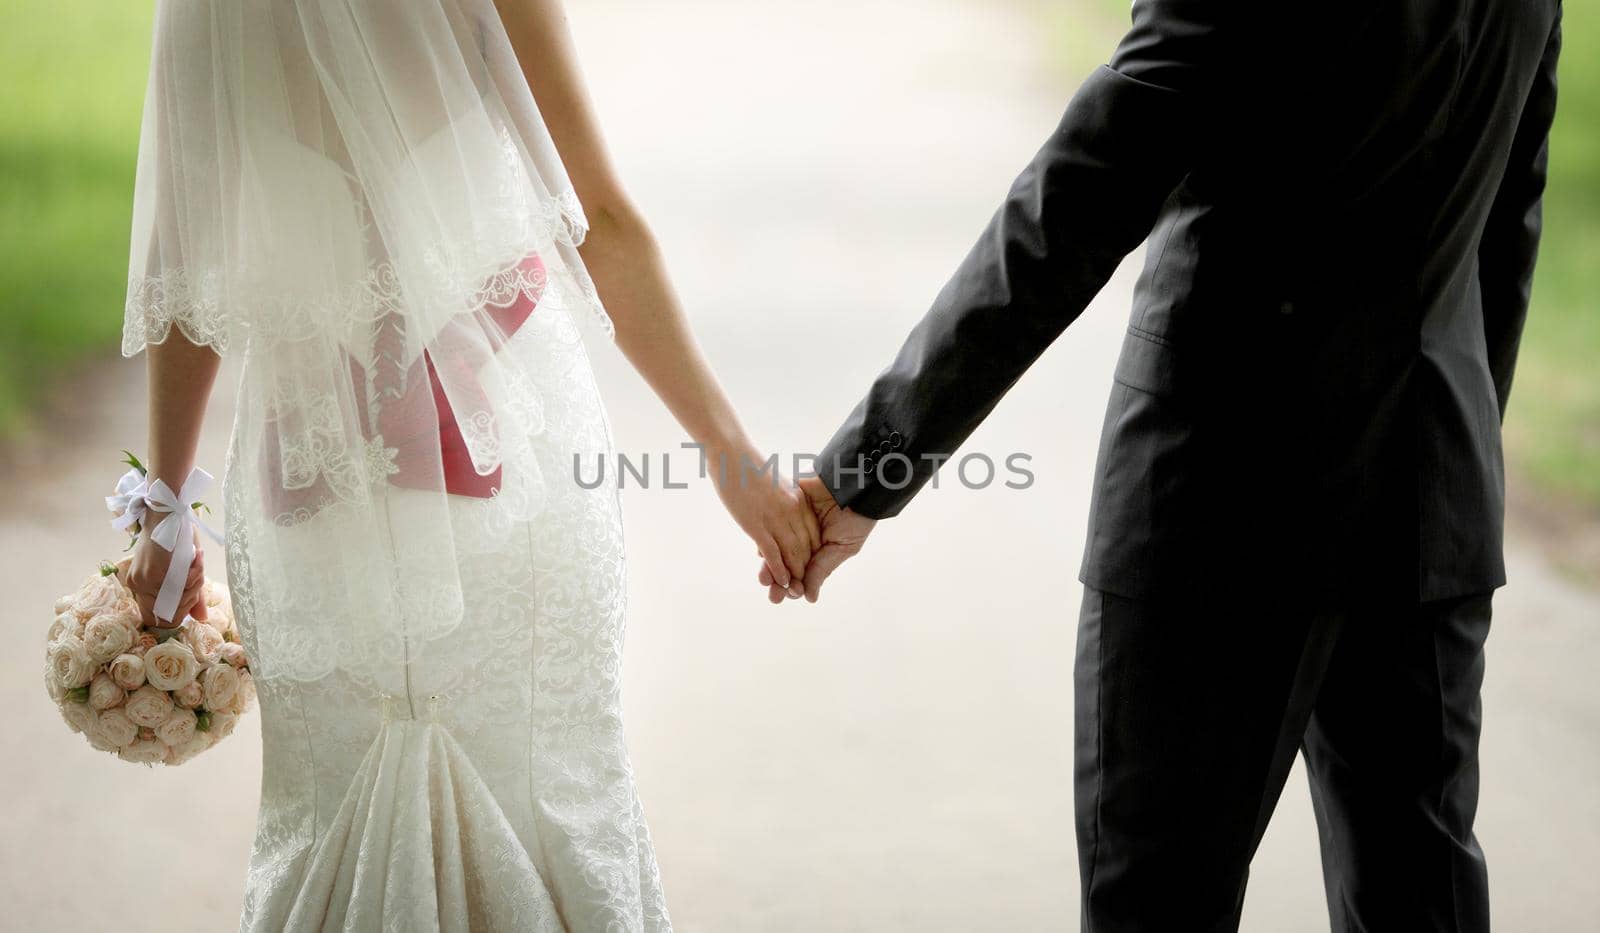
[(1296, 519)]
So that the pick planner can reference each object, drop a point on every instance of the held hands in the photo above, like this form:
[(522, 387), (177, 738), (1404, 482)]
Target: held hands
[(778, 518), (843, 532)]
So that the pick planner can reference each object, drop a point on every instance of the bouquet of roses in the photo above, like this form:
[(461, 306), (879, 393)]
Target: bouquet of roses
[(147, 693)]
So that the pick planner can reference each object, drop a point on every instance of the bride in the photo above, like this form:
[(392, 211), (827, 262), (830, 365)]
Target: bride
[(398, 215)]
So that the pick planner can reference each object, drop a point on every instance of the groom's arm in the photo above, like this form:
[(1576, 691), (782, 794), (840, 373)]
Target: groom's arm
[(1510, 242), (1089, 197)]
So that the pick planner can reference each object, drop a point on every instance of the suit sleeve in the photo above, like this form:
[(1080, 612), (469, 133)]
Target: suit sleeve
[(1510, 242), (1089, 197)]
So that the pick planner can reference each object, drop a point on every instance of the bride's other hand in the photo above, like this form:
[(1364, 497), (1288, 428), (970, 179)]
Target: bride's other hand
[(773, 511), (180, 374), (144, 572)]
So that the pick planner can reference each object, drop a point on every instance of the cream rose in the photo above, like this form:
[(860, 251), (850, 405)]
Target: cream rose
[(221, 684), (65, 624), (127, 670), (143, 643), (117, 728), (80, 717), (64, 604), (214, 593), (221, 618), (199, 743), (222, 725), (245, 696), (170, 665), (204, 642), (145, 751), (148, 706), (190, 695), (233, 654), (52, 684), (126, 605), (99, 742), (70, 661), (104, 692), (178, 728), (131, 621), (98, 596), (105, 638)]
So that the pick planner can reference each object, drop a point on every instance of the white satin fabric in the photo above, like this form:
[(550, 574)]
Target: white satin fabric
[(360, 200)]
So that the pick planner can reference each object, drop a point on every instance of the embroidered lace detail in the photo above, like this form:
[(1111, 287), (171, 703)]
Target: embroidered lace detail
[(530, 736), (380, 460), (201, 304)]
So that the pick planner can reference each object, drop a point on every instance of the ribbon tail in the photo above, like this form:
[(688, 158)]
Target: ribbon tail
[(211, 532), (177, 573)]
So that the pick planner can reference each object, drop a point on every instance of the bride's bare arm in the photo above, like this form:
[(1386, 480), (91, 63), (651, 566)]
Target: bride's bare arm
[(631, 276), (180, 375)]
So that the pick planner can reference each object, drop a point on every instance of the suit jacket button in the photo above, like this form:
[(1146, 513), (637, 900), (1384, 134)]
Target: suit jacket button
[(895, 439), (885, 447)]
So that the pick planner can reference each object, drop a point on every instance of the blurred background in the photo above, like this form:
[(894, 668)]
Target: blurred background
[(897, 758)]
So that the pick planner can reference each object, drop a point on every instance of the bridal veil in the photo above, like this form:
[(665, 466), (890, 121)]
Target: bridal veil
[(360, 199)]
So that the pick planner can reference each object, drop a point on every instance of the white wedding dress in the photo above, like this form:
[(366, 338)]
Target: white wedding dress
[(359, 199)]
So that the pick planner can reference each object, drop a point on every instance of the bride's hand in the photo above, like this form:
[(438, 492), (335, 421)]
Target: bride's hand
[(143, 573), (777, 516)]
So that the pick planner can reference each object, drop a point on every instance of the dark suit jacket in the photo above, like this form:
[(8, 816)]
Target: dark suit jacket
[(1342, 206)]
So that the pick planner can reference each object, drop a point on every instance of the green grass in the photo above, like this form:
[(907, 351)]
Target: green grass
[(1084, 33), (71, 88), (1553, 426)]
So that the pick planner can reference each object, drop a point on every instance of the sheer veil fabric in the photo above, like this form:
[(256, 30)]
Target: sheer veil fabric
[(359, 199)]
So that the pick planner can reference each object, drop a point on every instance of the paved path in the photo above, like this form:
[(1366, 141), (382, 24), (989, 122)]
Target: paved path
[(898, 757)]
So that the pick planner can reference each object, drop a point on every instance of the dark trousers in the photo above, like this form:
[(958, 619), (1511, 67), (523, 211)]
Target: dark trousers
[(1189, 717)]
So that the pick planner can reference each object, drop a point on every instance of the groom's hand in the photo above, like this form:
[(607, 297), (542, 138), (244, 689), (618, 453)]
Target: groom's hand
[(843, 533)]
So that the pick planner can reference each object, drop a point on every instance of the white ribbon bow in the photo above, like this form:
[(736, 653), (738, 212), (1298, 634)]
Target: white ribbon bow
[(128, 502), (176, 534)]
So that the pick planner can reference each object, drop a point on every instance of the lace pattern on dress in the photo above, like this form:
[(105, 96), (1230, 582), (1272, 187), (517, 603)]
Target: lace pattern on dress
[(526, 728), (201, 307)]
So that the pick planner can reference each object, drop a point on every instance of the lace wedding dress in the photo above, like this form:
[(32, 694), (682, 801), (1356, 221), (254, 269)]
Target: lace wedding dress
[(359, 199)]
